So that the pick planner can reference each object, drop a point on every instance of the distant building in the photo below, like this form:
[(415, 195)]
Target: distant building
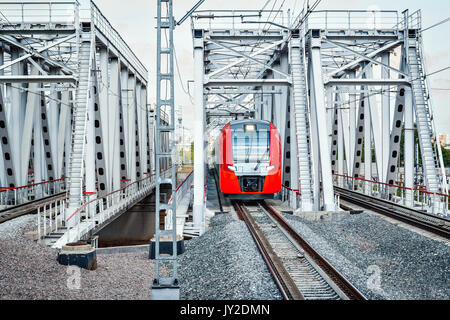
[(444, 140)]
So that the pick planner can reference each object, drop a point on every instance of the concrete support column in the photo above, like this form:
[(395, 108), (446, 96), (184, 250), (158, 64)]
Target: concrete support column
[(199, 139)]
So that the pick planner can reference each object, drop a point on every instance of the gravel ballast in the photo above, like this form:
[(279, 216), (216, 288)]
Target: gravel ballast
[(30, 271), (383, 260), (224, 264)]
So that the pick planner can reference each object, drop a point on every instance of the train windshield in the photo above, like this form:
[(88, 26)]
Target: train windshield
[(251, 142)]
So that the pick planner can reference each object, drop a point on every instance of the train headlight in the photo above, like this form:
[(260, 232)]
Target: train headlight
[(232, 168), (270, 168), (250, 128)]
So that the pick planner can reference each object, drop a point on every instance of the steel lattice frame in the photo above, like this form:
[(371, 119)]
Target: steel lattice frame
[(329, 87), (42, 60), (165, 152)]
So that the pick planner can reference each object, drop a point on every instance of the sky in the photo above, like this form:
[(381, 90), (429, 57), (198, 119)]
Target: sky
[(135, 20)]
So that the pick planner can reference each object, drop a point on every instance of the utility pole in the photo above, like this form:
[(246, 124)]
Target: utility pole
[(166, 287)]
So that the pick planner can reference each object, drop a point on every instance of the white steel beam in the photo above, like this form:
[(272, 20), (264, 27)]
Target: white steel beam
[(32, 104), (38, 79), (114, 123), (199, 139), (408, 150), (246, 82), (385, 121), (319, 108), (247, 57), (365, 57), (373, 54), (367, 82), (257, 53), (103, 95), (34, 53)]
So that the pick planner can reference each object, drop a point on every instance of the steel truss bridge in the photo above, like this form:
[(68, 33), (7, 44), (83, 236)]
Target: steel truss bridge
[(75, 126), (341, 86), (348, 91)]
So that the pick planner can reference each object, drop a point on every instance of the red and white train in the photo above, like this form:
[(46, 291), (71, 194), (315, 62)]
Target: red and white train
[(248, 159)]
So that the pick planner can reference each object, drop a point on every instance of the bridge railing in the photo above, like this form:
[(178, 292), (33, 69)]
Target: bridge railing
[(418, 196), (99, 210), (293, 196), (239, 19), (50, 216), (353, 19), (105, 27), (28, 12), (13, 196), (180, 192)]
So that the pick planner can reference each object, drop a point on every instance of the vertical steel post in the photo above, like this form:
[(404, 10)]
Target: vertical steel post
[(318, 108), (165, 287), (409, 148), (199, 160), (386, 119), (340, 141)]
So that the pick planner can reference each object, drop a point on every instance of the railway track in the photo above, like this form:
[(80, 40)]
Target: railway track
[(298, 270), (434, 224), (26, 208)]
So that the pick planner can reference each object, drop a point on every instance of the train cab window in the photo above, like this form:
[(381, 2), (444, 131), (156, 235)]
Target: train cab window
[(250, 143)]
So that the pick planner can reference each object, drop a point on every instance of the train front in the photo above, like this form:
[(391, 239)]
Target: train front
[(250, 164)]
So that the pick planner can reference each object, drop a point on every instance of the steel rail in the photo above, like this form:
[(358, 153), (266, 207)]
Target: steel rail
[(425, 221), (284, 282), (28, 207), (343, 284)]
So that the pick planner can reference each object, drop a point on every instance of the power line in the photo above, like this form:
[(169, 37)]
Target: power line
[(435, 25), (264, 6), (39, 94), (179, 76), (438, 71)]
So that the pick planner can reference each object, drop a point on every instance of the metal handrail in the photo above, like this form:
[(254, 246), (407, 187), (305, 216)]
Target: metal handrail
[(34, 184), (20, 195), (19, 10), (427, 196), (116, 39)]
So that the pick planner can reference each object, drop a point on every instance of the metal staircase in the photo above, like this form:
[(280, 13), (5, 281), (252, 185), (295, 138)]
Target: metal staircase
[(79, 124), (302, 125), (424, 117)]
